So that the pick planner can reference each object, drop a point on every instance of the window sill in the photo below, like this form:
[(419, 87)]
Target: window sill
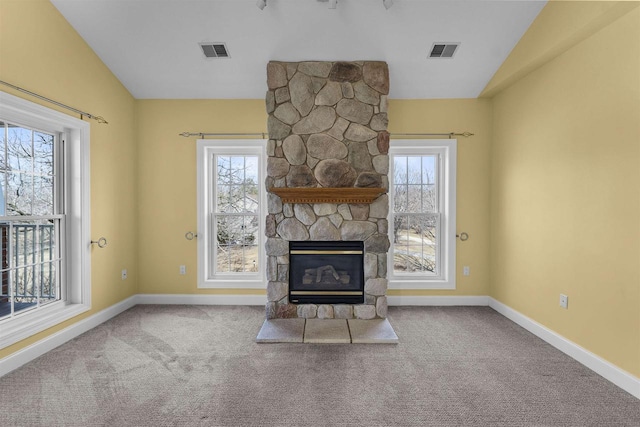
[(30, 323), (232, 284), (433, 284)]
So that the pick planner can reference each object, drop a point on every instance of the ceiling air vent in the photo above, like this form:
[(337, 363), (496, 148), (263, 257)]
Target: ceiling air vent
[(214, 50), (443, 50)]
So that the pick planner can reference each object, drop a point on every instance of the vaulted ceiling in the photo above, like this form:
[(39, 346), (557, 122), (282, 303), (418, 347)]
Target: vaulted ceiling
[(153, 46)]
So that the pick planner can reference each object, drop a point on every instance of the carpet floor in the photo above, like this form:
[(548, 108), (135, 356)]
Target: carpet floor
[(200, 366)]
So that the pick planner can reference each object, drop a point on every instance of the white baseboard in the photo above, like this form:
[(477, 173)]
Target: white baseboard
[(617, 376), (438, 300), (199, 299), (37, 349), (609, 371)]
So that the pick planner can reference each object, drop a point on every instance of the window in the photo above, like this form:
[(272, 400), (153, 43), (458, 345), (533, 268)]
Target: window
[(44, 218), (422, 220), (30, 224), (230, 213)]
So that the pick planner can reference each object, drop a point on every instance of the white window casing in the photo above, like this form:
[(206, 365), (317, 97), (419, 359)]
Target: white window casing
[(207, 150), (446, 154), (75, 227)]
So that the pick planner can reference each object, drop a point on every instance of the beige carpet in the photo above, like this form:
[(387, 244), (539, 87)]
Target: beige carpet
[(200, 366)]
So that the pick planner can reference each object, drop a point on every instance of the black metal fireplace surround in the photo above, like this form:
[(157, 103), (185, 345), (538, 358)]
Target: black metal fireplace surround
[(326, 272)]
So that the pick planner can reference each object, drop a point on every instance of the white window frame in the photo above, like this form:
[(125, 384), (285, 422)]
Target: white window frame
[(76, 246), (206, 176), (446, 150)]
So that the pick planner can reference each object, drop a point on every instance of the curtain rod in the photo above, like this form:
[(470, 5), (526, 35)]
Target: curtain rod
[(205, 134), (99, 119), (264, 135), (449, 134)]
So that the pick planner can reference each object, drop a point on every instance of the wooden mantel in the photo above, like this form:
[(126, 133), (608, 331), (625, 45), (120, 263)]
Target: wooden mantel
[(328, 195)]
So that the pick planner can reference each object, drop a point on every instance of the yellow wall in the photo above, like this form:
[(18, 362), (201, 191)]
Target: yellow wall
[(41, 52), (458, 115), (167, 182), (565, 202), (559, 26)]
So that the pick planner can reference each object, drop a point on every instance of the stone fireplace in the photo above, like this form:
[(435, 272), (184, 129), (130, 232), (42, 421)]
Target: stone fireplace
[(327, 179)]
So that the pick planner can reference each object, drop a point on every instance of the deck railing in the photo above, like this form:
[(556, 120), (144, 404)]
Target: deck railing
[(28, 263)]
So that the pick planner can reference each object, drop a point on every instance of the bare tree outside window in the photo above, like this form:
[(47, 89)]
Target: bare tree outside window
[(415, 214), (29, 244), (236, 214)]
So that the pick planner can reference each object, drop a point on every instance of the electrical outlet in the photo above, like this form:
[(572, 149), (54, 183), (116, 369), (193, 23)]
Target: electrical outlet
[(466, 271), (183, 270), (564, 301), (124, 274)]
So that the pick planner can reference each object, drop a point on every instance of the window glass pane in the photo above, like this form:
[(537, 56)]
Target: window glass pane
[(27, 187), (236, 199), (428, 169), (250, 230), (19, 194), (414, 170), (223, 198), (400, 200), (429, 180), (43, 153), (251, 171), (49, 291), (24, 275), (19, 149), (3, 163), (30, 270), (251, 199), (414, 198), (3, 193), (44, 245), (237, 184), (237, 169), (250, 243), (230, 236), (43, 195), (224, 241), (399, 228), (429, 198), (224, 170), (237, 243), (400, 169), (228, 229), (414, 249), (400, 242)]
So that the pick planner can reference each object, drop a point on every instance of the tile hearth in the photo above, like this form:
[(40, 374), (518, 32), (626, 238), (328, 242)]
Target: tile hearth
[(327, 331)]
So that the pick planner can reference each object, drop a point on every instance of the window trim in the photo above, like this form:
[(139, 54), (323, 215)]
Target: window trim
[(76, 278), (205, 181), (447, 150)]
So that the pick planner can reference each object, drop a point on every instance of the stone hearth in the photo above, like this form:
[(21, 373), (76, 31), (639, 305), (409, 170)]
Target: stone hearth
[(327, 129)]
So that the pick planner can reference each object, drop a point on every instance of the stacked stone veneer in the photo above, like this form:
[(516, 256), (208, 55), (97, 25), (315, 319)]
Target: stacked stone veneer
[(327, 128)]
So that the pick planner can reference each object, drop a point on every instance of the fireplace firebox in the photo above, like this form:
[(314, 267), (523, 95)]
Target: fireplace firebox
[(326, 272)]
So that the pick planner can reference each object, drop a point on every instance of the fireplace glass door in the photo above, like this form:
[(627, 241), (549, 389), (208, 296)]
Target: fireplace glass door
[(326, 272)]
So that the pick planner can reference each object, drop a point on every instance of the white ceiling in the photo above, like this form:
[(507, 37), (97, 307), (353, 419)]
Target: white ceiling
[(152, 45)]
